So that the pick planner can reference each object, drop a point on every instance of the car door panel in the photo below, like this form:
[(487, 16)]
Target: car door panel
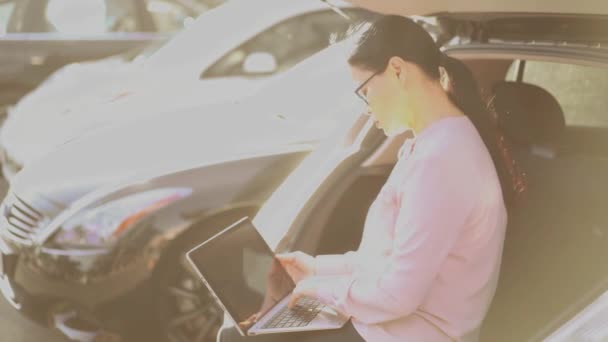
[(314, 188)]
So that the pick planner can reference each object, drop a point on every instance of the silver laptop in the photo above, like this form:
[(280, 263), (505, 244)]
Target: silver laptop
[(251, 285)]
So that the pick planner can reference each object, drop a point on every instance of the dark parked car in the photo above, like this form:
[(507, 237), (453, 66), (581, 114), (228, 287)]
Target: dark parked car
[(117, 251), (38, 37), (248, 148)]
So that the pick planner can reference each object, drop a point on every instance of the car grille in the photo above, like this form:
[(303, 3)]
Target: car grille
[(22, 219)]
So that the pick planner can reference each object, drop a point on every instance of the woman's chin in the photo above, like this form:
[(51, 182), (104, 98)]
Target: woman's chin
[(394, 131)]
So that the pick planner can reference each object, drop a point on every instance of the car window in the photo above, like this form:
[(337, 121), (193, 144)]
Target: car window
[(174, 15), (580, 90), (6, 9), (91, 16), (284, 44)]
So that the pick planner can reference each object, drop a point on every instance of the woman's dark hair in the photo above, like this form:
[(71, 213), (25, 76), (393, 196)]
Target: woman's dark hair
[(399, 36)]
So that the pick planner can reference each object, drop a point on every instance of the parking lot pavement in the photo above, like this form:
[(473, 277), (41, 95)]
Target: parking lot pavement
[(15, 328)]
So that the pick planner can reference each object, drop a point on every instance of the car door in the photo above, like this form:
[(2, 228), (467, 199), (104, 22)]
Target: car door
[(298, 213)]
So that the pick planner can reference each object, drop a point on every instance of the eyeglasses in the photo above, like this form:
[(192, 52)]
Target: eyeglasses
[(358, 90)]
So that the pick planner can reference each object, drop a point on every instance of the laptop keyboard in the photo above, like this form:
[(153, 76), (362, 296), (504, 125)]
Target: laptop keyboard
[(301, 315)]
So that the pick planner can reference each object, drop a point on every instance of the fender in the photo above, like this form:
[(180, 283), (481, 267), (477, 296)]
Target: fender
[(221, 194)]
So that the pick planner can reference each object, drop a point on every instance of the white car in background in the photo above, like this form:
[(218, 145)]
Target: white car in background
[(212, 60)]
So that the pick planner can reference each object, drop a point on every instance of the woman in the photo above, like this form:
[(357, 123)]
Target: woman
[(428, 263)]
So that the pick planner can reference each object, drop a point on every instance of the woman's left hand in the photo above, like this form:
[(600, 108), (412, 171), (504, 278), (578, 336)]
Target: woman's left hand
[(305, 288)]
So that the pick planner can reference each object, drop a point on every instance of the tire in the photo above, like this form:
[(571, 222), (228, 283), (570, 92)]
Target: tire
[(182, 308)]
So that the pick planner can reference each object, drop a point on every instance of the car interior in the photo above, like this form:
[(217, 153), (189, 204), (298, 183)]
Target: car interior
[(556, 243)]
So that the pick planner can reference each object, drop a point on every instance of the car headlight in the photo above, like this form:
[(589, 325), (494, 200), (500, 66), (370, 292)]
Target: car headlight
[(103, 224)]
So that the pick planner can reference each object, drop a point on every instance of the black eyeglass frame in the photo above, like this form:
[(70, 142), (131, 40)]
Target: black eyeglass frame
[(358, 90)]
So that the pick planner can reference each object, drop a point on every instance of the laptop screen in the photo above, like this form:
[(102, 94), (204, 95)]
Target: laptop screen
[(243, 272)]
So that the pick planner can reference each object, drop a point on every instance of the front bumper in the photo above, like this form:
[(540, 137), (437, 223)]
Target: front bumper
[(15, 295), (90, 294), (35, 294), (8, 260)]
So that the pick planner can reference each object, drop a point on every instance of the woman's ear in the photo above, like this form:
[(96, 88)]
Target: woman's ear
[(399, 66)]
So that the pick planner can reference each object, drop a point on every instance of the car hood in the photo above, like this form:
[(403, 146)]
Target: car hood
[(280, 116), (63, 89), (156, 145), (113, 100), (70, 78), (59, 97)]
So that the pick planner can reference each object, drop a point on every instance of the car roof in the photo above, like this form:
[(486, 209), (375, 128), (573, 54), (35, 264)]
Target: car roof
[(479, 6), (563, 21)]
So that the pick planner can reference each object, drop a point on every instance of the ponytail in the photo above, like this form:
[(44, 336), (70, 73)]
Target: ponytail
[(464, 93)]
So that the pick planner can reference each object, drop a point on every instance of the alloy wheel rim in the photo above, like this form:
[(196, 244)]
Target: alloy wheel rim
[(195, 317)]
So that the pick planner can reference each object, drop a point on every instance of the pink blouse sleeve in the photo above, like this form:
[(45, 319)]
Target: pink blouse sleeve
[(335, 264), (435, 204)]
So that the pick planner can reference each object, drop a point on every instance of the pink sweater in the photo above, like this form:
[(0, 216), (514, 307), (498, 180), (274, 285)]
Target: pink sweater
[(428, 263)]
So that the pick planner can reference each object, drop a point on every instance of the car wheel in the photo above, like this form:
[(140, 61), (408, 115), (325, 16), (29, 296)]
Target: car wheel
[(185, 310)]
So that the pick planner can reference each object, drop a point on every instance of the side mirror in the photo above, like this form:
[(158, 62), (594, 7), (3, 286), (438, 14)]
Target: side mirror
[(260, 63)]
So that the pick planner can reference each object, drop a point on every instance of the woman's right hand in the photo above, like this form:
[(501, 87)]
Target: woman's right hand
[(299, 265)]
